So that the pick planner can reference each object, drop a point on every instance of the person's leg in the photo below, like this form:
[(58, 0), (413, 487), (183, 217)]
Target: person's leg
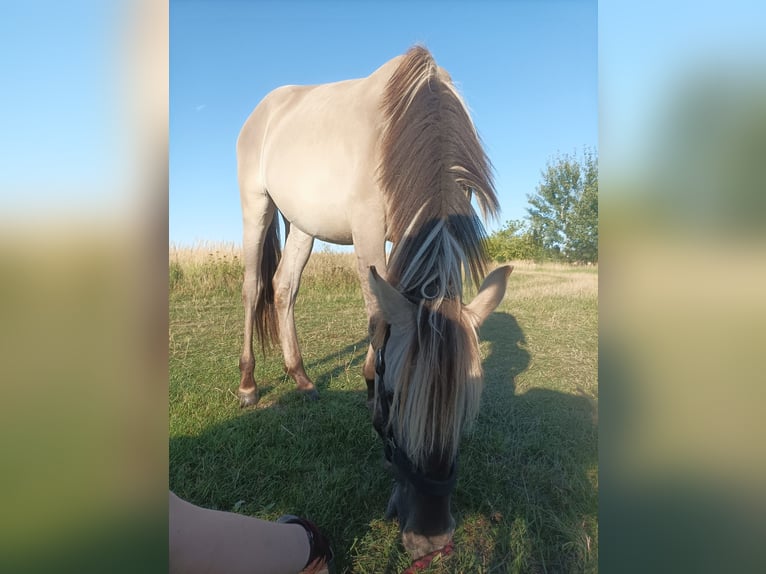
[(203, 540)]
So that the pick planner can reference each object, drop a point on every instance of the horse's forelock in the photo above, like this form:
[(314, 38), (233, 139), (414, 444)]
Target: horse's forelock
[(438, 389)]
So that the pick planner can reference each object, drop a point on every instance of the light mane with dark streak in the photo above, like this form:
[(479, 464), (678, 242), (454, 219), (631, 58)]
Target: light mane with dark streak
[(432, 162)]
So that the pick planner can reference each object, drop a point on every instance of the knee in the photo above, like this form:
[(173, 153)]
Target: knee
[(281, 296), (372, 325), (368, 370), (284, 291)]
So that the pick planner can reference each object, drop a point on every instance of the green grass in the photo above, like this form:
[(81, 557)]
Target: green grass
[(526, 499)]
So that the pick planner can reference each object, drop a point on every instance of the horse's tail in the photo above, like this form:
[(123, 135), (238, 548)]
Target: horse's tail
[(266, 323)]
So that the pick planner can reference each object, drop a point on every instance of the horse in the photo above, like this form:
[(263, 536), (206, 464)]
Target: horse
[(392, 156)]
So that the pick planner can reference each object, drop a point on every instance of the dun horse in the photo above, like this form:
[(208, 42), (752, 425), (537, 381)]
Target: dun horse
[(393, 156)]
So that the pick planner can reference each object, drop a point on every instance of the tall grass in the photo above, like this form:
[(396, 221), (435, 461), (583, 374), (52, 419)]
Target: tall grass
[(209, 268), (526, 499)]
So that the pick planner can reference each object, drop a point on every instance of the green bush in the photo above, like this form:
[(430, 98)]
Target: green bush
[(514, 243)]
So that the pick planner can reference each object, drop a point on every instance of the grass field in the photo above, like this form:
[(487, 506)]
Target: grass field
[(526, 498)]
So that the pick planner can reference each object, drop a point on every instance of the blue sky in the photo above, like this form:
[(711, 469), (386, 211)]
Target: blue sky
[(58, 105), (528, 71), (651, 53)]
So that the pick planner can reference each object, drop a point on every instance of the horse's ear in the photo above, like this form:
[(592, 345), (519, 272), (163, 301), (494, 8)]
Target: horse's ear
[(396, 309), (490, 294)]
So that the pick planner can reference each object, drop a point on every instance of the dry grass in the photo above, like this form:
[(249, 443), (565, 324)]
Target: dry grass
[(544, 280), (223, 262), (204, 252), (206, 267), (550, 266)]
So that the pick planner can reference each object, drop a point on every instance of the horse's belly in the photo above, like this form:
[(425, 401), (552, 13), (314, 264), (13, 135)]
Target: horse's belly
[(324, 225), (320, 186), (316, 212)]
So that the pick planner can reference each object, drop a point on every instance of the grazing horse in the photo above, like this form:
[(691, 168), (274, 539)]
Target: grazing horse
[(393, 156)]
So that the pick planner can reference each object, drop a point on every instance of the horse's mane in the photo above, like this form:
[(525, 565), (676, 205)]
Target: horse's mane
[(432, 161)]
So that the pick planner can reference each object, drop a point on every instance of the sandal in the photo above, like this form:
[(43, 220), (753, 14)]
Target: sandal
[(321, 558)]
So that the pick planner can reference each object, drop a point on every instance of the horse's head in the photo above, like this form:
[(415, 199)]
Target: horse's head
[(428, 385)]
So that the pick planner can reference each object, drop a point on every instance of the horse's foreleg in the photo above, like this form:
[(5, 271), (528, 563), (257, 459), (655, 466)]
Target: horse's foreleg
[(368, 371), (370, 250), (286, 284)]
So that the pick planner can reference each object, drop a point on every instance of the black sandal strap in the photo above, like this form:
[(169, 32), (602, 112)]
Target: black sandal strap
[(319, 546)]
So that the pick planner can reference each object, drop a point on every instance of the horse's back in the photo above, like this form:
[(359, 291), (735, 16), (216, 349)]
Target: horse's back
[(314, 149)]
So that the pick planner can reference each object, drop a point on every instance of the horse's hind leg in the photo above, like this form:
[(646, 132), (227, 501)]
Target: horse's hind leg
[(258, 211), (287, 280)]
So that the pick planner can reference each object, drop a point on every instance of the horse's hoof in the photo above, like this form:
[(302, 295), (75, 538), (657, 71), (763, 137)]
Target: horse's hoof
[(247, 399), (311, 394)]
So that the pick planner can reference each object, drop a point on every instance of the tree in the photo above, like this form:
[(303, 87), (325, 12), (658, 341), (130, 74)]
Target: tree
[(563, 214), (582, 227)]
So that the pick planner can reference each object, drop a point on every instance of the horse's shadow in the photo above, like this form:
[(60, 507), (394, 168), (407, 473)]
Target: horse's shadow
[(354, 355), (507, 356), (323, 370), (530, 454)]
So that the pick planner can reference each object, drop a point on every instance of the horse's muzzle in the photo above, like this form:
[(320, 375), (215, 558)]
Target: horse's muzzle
[(418, 545)]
